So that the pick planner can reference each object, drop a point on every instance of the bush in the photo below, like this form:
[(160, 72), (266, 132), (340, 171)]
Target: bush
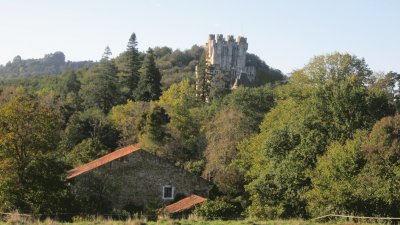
[(215, 209)]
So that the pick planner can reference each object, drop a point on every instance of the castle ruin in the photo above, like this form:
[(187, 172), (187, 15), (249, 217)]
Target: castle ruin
[(227, 59)]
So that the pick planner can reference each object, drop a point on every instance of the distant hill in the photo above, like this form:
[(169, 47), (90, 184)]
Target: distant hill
[(175, 65), (53, 63)]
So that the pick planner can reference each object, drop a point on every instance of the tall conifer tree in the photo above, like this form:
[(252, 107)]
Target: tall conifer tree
[(132, 75), (149, 86)]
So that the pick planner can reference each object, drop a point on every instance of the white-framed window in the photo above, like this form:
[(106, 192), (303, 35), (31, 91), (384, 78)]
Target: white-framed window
[(168, 192)]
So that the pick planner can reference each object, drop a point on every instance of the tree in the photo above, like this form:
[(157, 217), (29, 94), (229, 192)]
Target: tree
[(334, 178), (225, 131), (379, 179), (203, 78), (389, 84), (126, 119), (360, 176), (130, 77), (252, 102), (70, 101), (107, 54), (325, 101), (72, 83), (264, 73), (187, 140), (88, 135), (149, 86), (330, 68), (153, 132), (31, 172), (100, 89)]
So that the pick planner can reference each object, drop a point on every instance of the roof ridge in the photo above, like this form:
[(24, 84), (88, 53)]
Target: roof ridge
[(102, 160)]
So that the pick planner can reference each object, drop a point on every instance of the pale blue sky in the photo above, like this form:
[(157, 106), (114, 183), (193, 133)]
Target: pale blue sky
[(284, 33)]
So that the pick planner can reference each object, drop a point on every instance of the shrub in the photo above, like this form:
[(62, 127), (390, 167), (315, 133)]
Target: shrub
[(215, 209)]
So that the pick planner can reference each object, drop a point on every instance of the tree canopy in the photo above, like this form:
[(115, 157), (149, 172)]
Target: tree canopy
[(322, 140)]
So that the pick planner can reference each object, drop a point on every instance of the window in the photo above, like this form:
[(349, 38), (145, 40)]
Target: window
[(168, 192)]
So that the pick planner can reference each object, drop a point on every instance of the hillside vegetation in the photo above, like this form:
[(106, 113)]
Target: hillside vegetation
[(324, 140)]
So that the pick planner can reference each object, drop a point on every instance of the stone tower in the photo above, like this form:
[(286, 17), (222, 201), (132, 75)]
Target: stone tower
[(227, 58)]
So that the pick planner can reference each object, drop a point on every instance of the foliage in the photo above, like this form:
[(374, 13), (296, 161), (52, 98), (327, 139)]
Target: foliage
[(264, 73), (93, 194), (325, 101), (379, 186), (129, 75), (177, 65), (252, 102), (333, 179), (100, 88), (31, 171), (180, 102), (300, 146), (204, 76), (88, 135), (149, 86), (216, 209), (126, 119), (227, 129), (153, 132), (360, 177)]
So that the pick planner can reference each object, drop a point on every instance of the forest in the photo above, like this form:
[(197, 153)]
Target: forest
[(323, 139)]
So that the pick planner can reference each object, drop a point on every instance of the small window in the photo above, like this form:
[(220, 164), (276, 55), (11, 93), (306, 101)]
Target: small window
[(168, 192)]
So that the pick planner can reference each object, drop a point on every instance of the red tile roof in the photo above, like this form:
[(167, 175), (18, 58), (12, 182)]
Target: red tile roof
[(184, 204), (102, 160)]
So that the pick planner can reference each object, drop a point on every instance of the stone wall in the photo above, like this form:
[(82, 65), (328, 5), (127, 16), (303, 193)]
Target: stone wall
[(138, 179)]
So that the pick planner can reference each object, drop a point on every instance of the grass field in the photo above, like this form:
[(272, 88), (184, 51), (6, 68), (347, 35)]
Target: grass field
[(176, 222), (16, 219)]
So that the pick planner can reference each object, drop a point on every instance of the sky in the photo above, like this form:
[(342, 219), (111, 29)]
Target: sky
[(286, 34)]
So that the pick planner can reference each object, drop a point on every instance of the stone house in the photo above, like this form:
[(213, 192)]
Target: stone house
[(132, 177)]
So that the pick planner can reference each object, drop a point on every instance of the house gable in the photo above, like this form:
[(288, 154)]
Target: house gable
[(135, 177)]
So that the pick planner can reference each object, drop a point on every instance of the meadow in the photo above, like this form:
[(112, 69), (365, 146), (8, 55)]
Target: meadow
[(16, 219)]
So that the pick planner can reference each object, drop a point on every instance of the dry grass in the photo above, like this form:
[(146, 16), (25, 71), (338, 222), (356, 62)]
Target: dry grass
[(18, 219)]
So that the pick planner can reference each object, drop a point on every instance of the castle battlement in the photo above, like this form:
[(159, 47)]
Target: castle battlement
[(227, 53), (226, 58)]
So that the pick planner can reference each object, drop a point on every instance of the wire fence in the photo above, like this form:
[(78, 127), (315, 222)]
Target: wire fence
[(355, 217)]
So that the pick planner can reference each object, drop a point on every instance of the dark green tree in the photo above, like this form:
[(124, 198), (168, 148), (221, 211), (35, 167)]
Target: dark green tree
[(130, 77), (153, 124), (72, 83), (203, 78), (101, 88), (71, 100), (153, 130), (149, 86)]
